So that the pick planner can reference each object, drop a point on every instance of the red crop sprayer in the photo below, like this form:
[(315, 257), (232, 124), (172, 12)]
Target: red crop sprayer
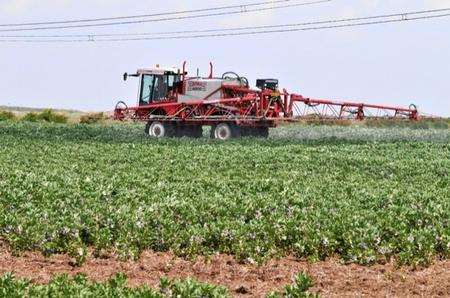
[(176, 105)]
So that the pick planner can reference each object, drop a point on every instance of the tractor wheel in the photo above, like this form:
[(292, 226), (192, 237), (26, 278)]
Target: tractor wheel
[(147, 128), (160, 130), (226, 131), (223, 132)]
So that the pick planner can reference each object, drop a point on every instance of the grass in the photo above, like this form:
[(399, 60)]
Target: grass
[(64, 188)]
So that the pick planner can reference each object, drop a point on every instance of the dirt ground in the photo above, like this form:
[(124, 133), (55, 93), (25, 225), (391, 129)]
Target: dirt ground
[(332, 279)]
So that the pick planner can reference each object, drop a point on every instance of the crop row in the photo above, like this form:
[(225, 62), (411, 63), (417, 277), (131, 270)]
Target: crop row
[(80, 286), (66, 188)]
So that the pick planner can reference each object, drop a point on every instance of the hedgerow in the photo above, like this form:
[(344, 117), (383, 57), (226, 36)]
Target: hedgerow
[(45, 116), (92, 118), (67, 188), (7, 115)]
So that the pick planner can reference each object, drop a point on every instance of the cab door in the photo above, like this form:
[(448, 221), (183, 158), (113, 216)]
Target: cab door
[(156, 88), (146, 89)]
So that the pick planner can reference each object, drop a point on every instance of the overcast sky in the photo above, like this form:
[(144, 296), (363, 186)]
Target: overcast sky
[(398, 63)]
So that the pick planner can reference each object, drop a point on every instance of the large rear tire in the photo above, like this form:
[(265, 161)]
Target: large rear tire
[(147, 128), (223, 132), (160, 130), (226, 131)]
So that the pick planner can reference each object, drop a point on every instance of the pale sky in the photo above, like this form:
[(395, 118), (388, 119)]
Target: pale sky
[(398, 64)]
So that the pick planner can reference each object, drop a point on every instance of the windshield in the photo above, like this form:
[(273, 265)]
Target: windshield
[(155, 88), (146, 89)]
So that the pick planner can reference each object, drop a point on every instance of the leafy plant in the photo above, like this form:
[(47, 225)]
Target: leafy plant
[(80, 286), (191, 288), (299, 289)]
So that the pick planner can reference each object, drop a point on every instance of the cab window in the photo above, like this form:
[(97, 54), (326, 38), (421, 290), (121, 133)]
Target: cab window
[(155, 88), (146, 89)]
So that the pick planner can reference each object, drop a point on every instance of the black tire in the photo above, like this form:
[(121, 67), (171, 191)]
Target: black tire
[(160, 130), (223, 132), (147, 128)]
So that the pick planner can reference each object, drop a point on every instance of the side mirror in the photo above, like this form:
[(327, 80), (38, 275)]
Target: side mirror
[(125, 76)]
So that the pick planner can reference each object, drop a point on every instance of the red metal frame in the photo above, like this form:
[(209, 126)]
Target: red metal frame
[(248, 107)]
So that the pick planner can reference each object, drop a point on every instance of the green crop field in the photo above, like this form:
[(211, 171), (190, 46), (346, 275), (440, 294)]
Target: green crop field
[(365, 195), (80, 286)]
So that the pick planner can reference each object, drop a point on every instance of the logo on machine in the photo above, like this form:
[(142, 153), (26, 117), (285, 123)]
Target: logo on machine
[(196, 86)]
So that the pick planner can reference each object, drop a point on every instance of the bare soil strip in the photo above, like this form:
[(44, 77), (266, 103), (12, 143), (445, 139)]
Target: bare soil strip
[(332, 279)]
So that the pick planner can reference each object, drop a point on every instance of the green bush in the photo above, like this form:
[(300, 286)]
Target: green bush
[(50, 116), (30, 117), (6, 115), (92, 118), (45, 116)]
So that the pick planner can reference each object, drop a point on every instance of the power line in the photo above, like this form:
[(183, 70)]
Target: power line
[(280, 30), (404, 16), (230, 34), (242, 9), (361, 21), (216, 8)]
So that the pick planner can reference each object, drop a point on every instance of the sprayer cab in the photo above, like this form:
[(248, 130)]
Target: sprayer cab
[(162, 85), (157, 84)]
